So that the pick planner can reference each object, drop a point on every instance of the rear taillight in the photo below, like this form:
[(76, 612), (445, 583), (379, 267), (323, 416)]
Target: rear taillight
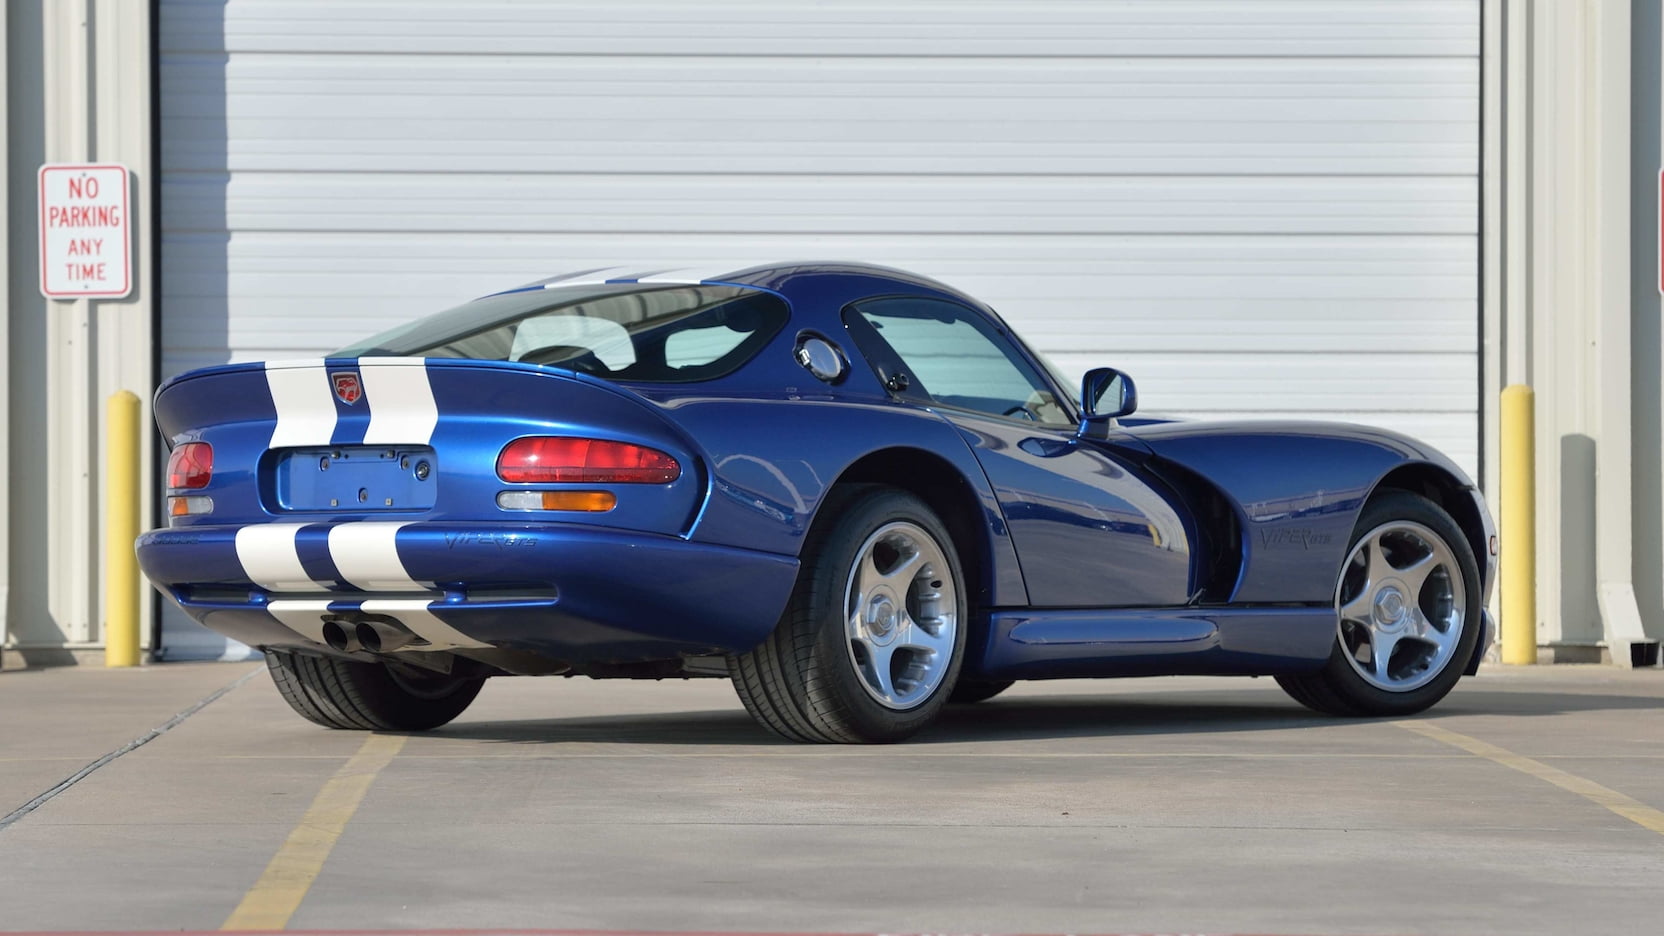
[(191, 466), (547, 459)]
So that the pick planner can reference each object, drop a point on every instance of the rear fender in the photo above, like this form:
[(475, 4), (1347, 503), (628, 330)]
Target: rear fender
[(773, 460)]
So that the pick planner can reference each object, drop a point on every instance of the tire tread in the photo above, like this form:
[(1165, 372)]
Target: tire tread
[(353, 696), (1336, 689), (788, 682)]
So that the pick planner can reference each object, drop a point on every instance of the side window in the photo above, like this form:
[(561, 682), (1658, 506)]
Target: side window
[(957, 358)]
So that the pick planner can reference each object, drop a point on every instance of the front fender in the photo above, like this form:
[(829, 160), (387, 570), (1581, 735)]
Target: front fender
[(1297, 488)]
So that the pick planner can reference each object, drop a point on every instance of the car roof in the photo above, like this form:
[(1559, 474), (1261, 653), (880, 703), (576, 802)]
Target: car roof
[(778, 277)]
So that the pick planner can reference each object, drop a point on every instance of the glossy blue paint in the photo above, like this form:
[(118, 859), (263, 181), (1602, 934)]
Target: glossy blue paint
[(487, 405), (1085, 510), (1090, 553), (773, 460), (598, 595), (1049, 644), (1297, 488)]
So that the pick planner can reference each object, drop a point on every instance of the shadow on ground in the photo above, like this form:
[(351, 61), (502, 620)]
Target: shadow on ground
[(1073, 716)]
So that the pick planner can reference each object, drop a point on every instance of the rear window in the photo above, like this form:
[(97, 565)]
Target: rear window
[(626, 332)]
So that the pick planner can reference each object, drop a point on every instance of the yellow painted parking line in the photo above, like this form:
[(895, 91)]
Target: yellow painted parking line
[(1634, 810), (274, 898)]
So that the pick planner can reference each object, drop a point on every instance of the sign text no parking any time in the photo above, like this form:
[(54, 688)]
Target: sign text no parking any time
[(85, 232)]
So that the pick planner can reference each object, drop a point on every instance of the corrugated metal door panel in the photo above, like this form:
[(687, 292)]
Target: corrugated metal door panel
[(1258, 207), (809, 27), (920, 205), (1023, 116)]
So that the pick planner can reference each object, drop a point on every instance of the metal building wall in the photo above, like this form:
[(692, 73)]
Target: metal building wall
[(1647, 337), (1258, 209), (1264, 208), (951, 217), (1564, 254), (5, 363), (78, 88), (1570, 296)]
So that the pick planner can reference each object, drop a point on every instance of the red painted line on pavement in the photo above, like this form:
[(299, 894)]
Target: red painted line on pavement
[(533, 932)]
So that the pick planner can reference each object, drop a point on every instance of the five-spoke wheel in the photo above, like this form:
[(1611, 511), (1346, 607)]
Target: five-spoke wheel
[(903, 615), (870, 646), (1407, 606), (1401, 606)]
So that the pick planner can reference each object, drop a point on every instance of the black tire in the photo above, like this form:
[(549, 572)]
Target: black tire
[(367, 696), (1338, 688), (972, 691), (803, 682)]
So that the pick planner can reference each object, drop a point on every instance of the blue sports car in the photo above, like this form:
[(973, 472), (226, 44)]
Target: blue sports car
[(851, 490)]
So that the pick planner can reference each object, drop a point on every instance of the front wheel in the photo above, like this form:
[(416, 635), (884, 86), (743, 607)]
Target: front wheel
[(870, 646), (368, 696), (1408, 613)]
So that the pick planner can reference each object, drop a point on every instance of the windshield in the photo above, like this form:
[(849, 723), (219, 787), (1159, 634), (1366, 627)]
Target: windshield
[(627, 332), (1070, 388)]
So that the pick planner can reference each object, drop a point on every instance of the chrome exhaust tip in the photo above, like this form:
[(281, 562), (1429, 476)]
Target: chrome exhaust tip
[(342, 637), (380, 636)]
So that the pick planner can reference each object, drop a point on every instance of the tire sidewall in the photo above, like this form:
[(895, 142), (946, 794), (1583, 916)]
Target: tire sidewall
[(1386, 508), (859, 518), (395, 704)]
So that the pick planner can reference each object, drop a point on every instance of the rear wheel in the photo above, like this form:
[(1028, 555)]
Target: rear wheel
[(870, 646), (368, 696), (1408, 611)]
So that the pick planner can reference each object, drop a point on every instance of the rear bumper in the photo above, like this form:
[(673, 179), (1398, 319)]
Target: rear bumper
[(564, 592)]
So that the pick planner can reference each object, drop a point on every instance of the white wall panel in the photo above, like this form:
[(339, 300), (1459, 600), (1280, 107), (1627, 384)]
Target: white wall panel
[(1258, 207)]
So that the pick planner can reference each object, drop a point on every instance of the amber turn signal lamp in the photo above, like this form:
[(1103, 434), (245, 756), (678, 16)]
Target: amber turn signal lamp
[(189, 506), (590, 501)]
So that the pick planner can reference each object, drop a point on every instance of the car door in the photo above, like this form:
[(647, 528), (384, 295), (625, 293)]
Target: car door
[(1091, 529)]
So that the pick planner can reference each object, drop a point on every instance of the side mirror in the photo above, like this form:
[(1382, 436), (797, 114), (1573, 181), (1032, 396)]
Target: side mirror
[(1105, 394)]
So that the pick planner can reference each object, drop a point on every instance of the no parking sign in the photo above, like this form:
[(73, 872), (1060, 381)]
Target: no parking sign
[(86, 246)]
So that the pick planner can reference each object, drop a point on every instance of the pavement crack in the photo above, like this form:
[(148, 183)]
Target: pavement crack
[(133, 745)]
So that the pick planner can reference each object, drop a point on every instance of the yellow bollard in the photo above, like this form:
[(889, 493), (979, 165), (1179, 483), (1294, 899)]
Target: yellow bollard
[(121, 499), (1518, 525)]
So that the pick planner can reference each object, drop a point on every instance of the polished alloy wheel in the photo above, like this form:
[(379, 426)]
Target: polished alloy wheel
[(1402, 605), (900, 615)]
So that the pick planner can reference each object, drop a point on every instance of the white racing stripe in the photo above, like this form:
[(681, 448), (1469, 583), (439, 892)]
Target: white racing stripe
[(366, 555), (595, 278), (692, 275), (414, 614), (400, 397), (270, 559), (305, 403), (304, 616)]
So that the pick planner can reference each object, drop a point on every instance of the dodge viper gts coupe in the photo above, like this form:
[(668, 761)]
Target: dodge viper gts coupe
[(853, 491)]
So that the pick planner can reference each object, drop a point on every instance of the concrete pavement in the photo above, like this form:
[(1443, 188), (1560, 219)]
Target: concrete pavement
[(1137, 805)]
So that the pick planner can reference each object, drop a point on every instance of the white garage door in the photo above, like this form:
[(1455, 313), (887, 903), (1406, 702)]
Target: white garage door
[(1256, 208)]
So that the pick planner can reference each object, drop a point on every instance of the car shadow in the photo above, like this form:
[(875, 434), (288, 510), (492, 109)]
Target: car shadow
[(1028, 718)]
